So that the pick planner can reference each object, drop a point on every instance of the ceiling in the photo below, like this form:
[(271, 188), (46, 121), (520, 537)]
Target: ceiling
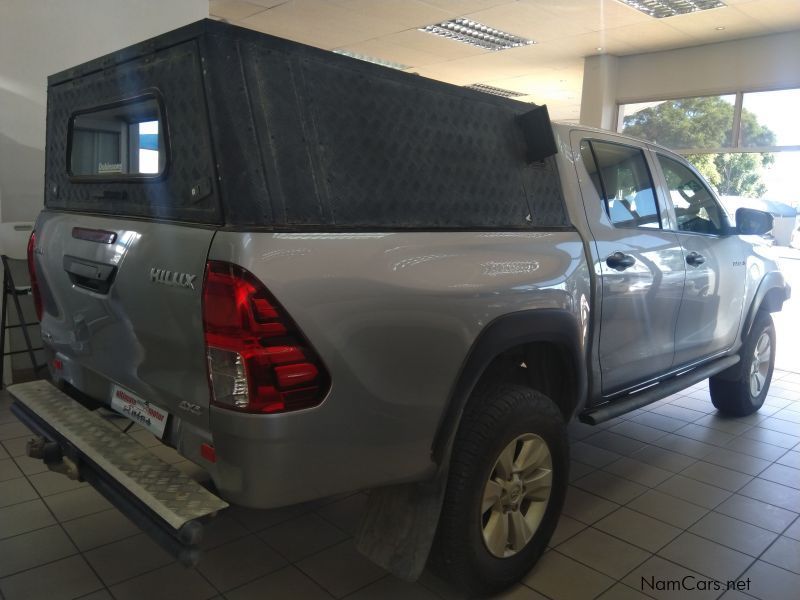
[(550, 71)]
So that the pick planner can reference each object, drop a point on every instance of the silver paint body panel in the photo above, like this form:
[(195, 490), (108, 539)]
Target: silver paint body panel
[(143, 336), (640, 304), (636, 309)]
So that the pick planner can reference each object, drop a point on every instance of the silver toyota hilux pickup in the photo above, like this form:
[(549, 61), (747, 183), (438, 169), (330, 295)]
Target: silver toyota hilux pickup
[(312, 275)]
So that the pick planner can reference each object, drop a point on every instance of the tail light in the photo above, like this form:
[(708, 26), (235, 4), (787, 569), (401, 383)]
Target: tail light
[(37, 297), (258, 360)]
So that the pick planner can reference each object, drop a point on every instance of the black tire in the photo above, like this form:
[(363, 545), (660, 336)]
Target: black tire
[(495, 417), (731, 391)]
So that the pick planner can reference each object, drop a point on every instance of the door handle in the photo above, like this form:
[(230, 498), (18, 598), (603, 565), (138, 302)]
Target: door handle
[(695, 259), (620, 261), (94, 276)]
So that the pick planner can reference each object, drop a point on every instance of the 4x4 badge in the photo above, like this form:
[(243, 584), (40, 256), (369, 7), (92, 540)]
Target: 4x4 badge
[(195, 409), (172, 278)]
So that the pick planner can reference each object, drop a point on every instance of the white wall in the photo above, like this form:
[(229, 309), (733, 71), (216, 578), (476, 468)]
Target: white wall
[(41, 37), (752, 64)]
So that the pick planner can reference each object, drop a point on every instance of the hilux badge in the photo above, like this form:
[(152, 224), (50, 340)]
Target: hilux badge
[(172, 278)]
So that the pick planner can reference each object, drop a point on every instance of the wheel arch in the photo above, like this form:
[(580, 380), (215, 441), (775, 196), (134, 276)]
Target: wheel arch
[(552, 336), (772, 292)]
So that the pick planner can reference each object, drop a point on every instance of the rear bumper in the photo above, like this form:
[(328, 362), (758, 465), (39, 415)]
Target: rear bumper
[(160, 499), (268, 461)]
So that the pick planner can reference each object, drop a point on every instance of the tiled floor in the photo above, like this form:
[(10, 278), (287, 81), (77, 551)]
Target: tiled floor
[(668, 491)]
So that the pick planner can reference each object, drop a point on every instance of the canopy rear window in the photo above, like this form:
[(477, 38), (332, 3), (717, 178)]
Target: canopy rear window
[(119, 141)]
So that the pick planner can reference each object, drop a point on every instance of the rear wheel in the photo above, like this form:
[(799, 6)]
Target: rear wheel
[(506, 487), (741, 391)]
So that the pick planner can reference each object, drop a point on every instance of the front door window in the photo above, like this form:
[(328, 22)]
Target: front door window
[(696, 209)]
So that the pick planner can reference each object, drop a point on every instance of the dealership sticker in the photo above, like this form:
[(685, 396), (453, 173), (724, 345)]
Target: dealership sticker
[(140, 411)]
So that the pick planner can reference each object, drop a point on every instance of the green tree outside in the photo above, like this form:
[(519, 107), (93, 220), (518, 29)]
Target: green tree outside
[(707, 122)]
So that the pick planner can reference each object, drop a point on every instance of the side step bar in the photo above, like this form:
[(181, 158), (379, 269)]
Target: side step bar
[(661, 390), (162, 500)]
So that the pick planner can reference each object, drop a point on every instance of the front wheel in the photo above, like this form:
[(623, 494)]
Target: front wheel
[(506, 486), (742, 391)]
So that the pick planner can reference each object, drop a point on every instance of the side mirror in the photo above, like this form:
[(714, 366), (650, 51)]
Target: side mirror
[(753, 222)]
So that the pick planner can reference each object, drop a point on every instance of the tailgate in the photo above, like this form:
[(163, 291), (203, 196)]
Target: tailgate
[(122, 309)]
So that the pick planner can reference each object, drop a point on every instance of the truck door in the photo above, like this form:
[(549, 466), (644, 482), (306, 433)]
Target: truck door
[(636, 257), (713, 298)]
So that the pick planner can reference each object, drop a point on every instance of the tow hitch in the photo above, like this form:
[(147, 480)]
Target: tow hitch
[(53, 456)]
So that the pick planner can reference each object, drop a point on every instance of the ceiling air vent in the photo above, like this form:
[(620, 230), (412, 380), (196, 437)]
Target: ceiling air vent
[(476, 34), (495, 91), (373, 60), (669, 8)]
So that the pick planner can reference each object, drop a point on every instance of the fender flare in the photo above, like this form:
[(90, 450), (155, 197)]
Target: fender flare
[(556, 326), (773, 302)]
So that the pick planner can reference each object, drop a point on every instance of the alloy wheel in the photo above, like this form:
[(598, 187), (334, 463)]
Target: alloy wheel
[(759, 366), (516, 495)]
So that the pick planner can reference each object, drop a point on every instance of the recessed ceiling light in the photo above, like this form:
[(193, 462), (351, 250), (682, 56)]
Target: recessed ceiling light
[(599, 49), (373, 60), (476, 34), (720, 28), (495, 91), (669, 8)]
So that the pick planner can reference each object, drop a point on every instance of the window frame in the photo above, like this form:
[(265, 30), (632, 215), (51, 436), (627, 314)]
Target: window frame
[(736, 134), (660, 212), (163, 132)]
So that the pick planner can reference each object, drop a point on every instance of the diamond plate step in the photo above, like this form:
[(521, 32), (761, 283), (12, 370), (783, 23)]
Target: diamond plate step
[(167, 491)]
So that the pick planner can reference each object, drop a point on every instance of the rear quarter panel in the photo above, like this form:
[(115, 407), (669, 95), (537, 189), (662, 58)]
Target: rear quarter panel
[(393, 316)]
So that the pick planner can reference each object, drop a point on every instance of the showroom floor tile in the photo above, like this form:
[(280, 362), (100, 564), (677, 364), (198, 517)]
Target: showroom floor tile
[(667, 491)]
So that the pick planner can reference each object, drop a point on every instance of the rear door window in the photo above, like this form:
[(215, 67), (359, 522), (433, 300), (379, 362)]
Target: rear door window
[(622, 179), (120, 141)]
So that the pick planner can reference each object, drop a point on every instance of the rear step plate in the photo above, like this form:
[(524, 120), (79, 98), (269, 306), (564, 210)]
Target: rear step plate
[(167, 491)]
